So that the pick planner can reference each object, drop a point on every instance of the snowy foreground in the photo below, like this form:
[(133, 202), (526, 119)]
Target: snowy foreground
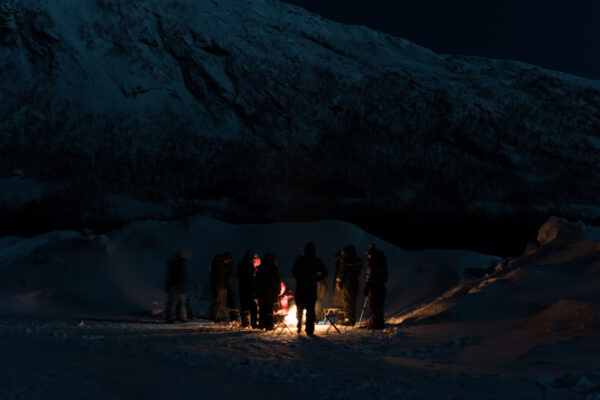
[(77, 320), (137, 358)]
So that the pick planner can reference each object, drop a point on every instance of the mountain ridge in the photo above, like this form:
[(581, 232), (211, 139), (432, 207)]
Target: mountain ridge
[(281, 115)]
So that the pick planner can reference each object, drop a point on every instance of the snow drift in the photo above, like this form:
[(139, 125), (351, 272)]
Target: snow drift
[(561, 272), (124, 270)]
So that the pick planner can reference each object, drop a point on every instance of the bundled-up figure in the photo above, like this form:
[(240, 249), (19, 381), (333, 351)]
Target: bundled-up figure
[(308, 270), (376, 277), (268, 285), (349, 268), (175, 288), (246, 270), (222, 277)]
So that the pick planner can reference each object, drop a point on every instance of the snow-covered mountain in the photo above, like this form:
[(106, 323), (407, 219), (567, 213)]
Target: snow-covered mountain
[(256, 110)]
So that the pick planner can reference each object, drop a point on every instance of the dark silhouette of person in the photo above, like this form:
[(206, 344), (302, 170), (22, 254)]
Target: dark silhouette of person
[(221, 276), (268, 286), (349, 269), (308, 269), (376, 277), (246, 270), (175, 287)]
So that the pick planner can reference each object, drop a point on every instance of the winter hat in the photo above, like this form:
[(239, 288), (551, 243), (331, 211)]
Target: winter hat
[(309, 249)]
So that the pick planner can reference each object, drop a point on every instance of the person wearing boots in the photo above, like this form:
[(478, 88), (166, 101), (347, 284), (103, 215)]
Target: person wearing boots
[(268, 286), (247, 288), (308, 270), (221, 275), (175, 288), (376, 277)]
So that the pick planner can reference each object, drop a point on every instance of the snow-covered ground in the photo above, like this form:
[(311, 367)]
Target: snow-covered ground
[(104, 359), (77, 320)]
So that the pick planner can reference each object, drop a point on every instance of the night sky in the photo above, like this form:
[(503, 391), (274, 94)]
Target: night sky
[(560, 35)]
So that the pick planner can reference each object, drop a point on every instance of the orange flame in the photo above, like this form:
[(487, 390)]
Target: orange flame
[(290, 318)]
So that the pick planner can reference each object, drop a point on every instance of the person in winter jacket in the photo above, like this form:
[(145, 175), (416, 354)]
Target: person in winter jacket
[(349, 269), (268, 286), (376, 277), (221, 277), (308, 269), (247, 288), (175, 288)]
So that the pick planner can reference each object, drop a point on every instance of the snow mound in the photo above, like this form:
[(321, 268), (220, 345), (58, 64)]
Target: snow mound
[(562, 274), (11, 247), (124, 270)]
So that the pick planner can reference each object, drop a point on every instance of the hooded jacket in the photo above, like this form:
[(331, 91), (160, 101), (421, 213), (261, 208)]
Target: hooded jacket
[(268, 282), (308, 270)]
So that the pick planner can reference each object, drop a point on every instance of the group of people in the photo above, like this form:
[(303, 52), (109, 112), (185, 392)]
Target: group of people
[(260, 288)]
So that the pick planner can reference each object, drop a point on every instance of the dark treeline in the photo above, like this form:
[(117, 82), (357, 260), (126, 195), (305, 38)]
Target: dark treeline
[(408, 165)]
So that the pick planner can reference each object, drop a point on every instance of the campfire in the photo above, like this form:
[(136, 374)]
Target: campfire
[(291, 319), (286, 306)]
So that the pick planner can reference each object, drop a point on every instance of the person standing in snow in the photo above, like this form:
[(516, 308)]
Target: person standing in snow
[(308, 270), (246, 270), (376, 277), (221, 276), (175, 288), (349, 269), (268, 286)]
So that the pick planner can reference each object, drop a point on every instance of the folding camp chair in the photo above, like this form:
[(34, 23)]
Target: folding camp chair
[(280, 325), (234, 318), (334, 315)]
